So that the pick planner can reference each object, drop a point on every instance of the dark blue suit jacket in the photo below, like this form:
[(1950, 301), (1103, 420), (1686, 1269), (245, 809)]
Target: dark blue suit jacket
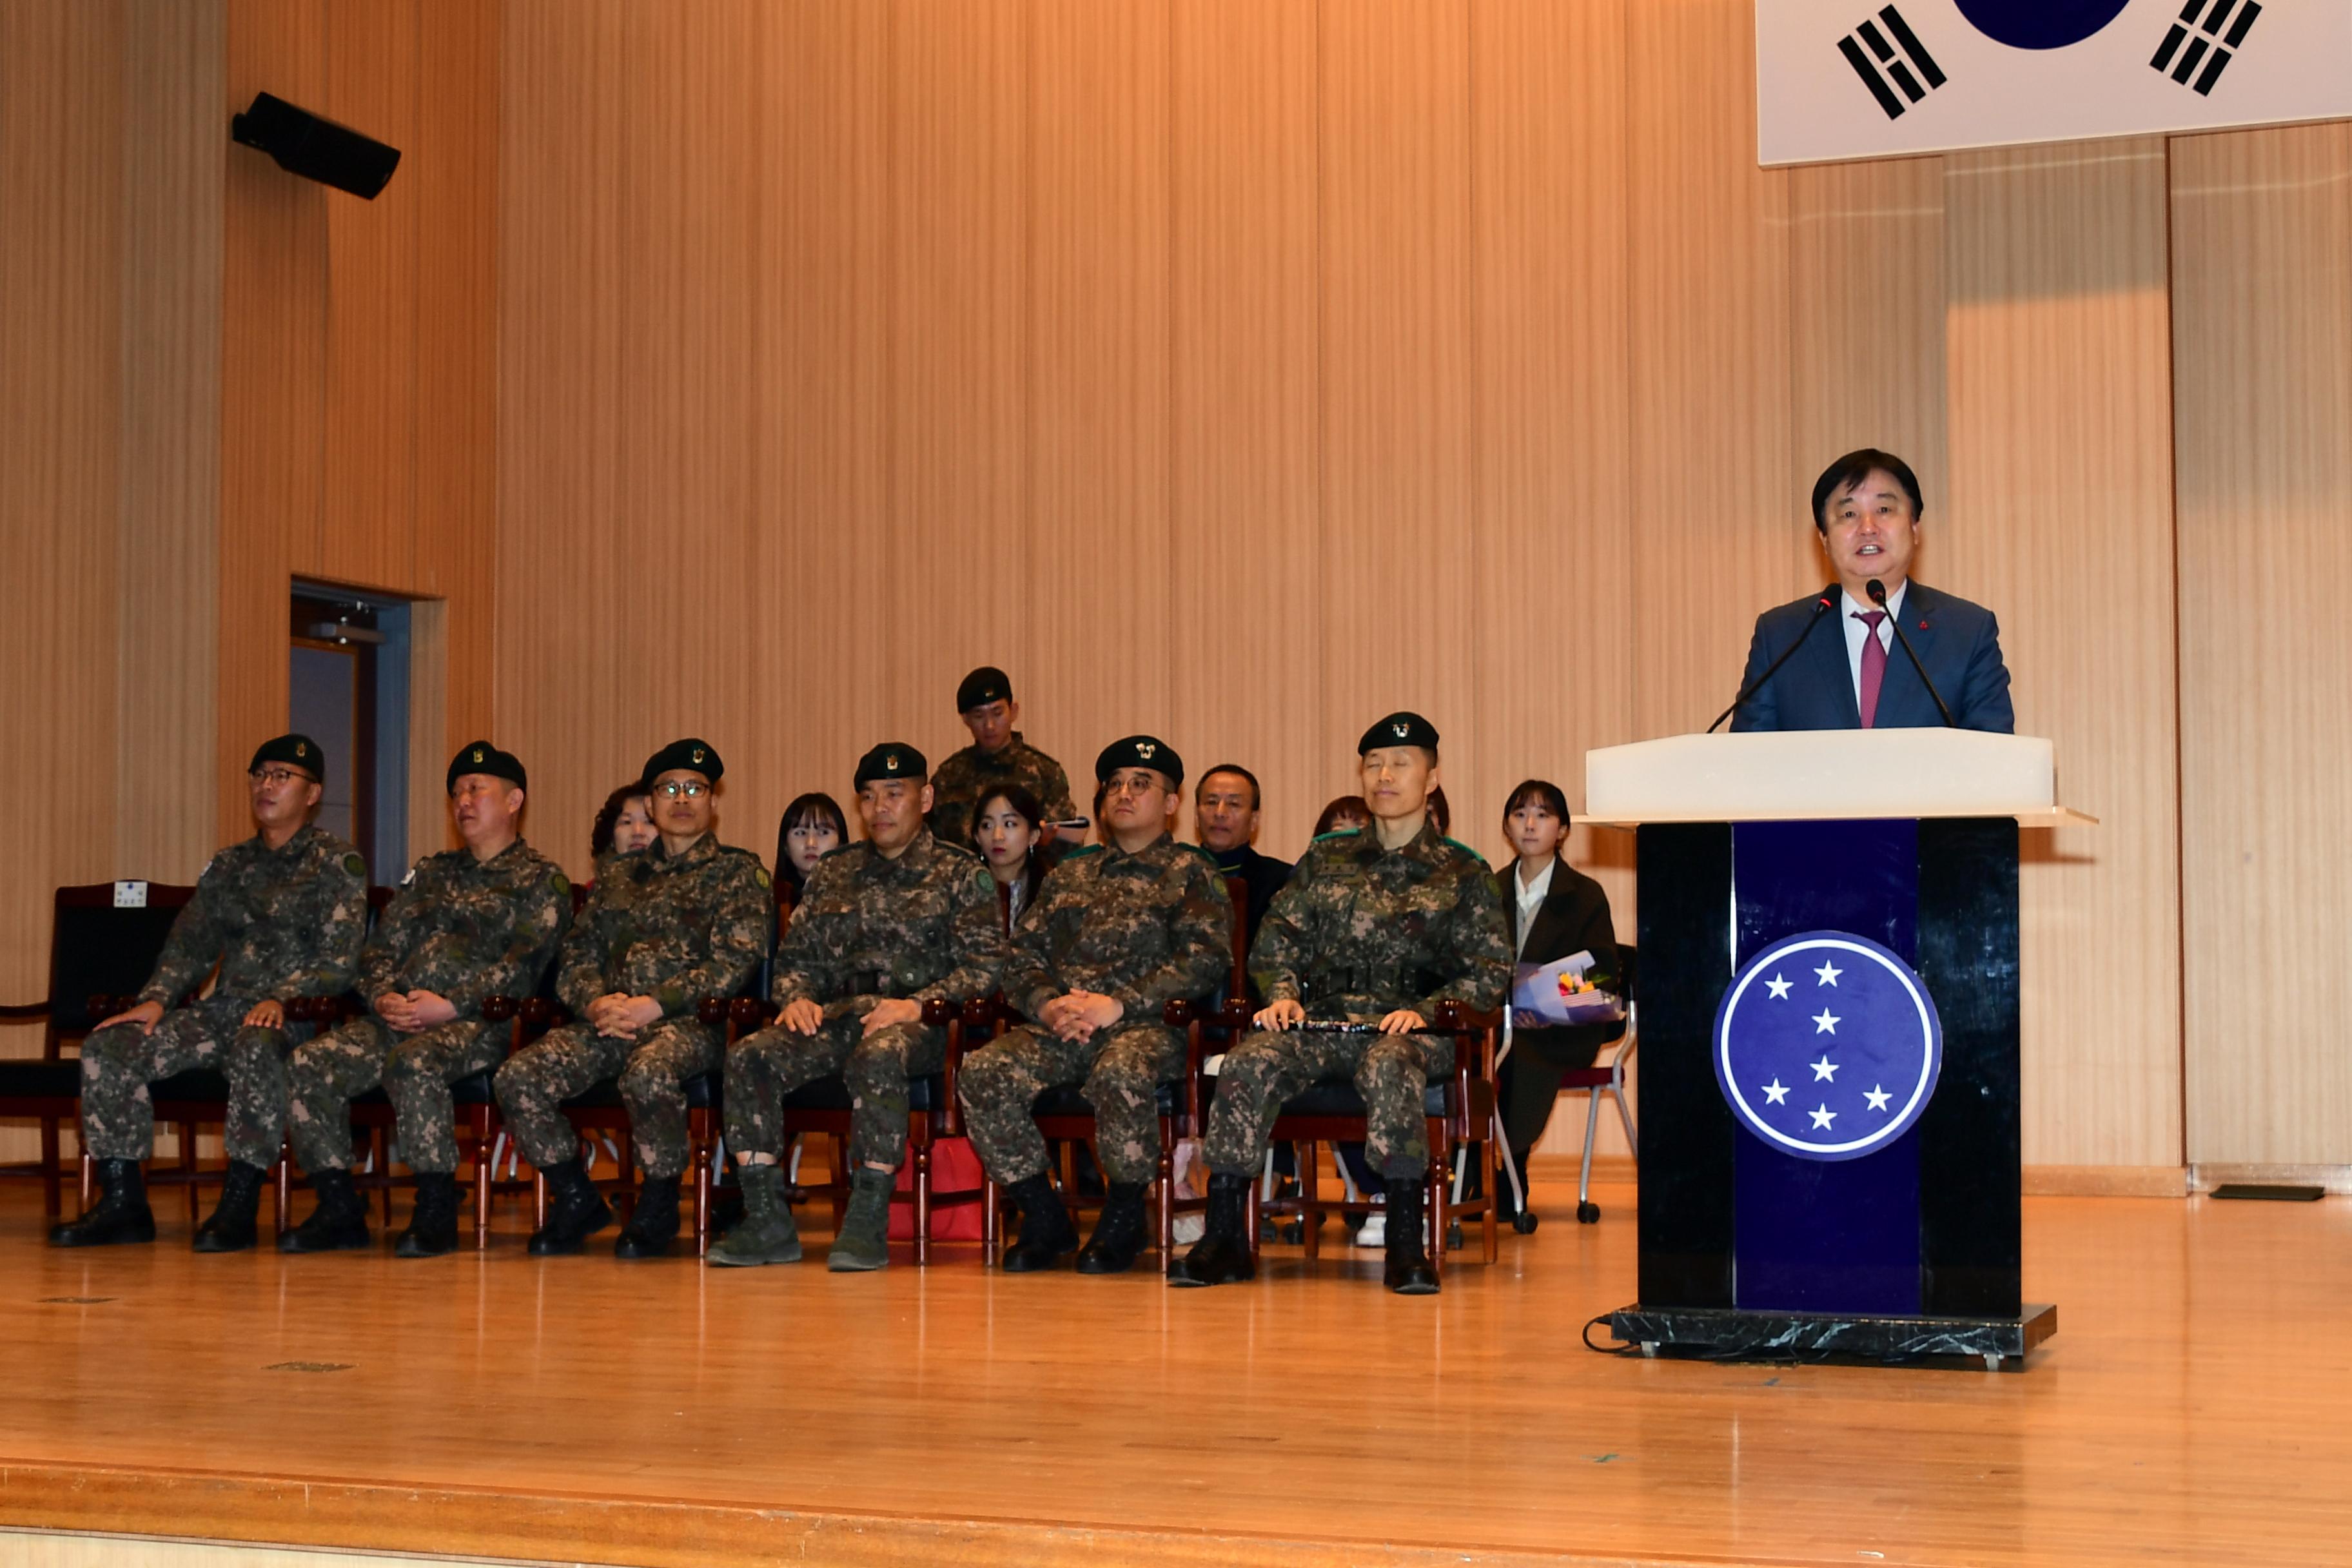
[(1958, 642)]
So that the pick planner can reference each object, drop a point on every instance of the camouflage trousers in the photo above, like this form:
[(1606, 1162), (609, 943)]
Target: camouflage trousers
[(416, 1071), (1121, 1071), (118, 1115), (766, 1066), (1391, 1071), (653, 1069)]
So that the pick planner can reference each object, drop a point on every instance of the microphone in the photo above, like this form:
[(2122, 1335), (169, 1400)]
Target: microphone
[(1878, 596), (1822, 607)]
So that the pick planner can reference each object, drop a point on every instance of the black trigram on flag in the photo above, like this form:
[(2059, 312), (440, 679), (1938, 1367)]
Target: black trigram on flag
[(2209, 46), (1902, 60)]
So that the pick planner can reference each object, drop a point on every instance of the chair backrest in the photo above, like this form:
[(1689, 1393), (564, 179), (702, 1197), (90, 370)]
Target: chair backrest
[(98, 949), (1238, 891)]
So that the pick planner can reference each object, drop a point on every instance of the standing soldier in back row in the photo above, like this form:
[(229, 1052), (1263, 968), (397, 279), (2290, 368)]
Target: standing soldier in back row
[(885, 927), (283, 914), (997, 756), (467, 924), (665, 926), (1115, 934), (1375, 928)]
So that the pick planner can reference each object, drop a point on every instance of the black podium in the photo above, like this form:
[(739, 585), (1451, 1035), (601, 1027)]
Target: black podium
[(1829, 1011)]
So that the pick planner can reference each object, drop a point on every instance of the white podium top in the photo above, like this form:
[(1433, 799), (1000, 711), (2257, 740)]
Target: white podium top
[(1799, 775)]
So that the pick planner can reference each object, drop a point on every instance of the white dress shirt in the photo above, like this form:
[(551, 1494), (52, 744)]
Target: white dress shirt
[(1531, 896), (1857, 629)]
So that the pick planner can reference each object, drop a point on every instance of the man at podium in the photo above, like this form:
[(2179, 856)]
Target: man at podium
[(1901, 655)]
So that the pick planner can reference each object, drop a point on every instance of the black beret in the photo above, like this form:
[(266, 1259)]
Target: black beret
[(984, 686), (481, 757), (891, 760), (1403, 729), (296, 750), (1140, 752), (688, 755)]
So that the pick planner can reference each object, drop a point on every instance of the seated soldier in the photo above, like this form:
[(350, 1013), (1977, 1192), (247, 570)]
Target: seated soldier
[(467, 924), (1115, 934), (1374, 930), (681, 919), (283, 914), (887, 925)]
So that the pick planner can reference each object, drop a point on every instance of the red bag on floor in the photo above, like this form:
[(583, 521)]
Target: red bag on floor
[(954, 1169)]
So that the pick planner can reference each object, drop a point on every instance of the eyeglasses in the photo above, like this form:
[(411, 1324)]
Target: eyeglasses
[(693, 789), (277, 777)]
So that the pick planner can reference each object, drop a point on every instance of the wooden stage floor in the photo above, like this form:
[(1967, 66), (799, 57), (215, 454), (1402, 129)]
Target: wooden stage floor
[(2195, 1409)]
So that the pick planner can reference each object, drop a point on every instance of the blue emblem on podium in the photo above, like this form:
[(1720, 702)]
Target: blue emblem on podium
[(1827, 1046)]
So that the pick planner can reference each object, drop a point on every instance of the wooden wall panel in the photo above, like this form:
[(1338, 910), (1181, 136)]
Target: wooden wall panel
[(2261, 320), (61, 352), (1099, 449), (274, 325), (1401, 545), (168, 785), (1245, 578), (2062, 497), (1718, 527)]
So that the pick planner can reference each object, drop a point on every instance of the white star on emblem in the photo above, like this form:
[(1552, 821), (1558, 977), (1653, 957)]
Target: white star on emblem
[(1824, 1069), (1829, 973), (1776, 1092), (1779, 987), (1822, 1116), (1825, 1022), (1877, 1098)]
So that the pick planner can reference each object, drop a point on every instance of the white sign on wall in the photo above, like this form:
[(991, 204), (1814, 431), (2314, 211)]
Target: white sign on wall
[(1858, 79)]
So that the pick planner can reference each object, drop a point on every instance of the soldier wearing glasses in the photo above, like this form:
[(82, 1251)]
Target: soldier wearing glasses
[(682, 919), (283, 915)]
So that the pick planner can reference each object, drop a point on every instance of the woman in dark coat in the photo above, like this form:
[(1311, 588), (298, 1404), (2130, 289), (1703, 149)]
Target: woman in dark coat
[(1555, 910)]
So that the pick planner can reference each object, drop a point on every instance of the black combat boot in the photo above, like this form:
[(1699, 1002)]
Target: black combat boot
[(863, 1240), (653, 1224), (1223, 1255), (767, 1233), (119, 1215), (1118, 1234), (231, 1228), (575, 1211), (432, 1223), (1047, 1232), (338, 1225), (1408, 1272)]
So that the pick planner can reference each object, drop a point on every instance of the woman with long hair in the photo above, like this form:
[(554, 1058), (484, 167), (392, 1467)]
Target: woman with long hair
[(1008, 828), (1346, 814), (812, 826)]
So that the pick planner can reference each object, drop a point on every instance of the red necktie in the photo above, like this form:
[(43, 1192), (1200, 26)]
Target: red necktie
[(1873, 664)]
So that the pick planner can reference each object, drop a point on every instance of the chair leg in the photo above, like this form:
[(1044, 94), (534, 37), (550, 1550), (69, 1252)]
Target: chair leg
[(188, 1170), (281, 1188), (538, 1200), (698, 1158), (479, 1115), (921, 1155), (1440, 1167), (1626, 1117), (1494, 1198), (1592, 1125), (1311, 1187), (53, 1193), (379, 1146), (88, 1179), (1165, 1185), (991, 1220)]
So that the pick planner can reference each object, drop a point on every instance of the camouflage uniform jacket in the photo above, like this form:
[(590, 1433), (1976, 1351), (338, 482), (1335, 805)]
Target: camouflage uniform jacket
[(465, 929), (1142, 929), (1361, 931), (921, 927), (964, 780), (281, 924), (674, 928)]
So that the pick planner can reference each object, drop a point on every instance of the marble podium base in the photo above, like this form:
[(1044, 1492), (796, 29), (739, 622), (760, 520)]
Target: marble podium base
[(1717, 1334)]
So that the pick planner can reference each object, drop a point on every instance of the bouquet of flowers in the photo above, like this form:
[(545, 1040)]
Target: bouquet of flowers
[(1570, 990)]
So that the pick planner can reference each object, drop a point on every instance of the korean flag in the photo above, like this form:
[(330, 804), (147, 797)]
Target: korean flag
[(1852, 78)]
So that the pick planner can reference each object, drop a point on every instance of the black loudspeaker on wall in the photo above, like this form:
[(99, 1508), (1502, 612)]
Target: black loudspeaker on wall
[(315, 148)]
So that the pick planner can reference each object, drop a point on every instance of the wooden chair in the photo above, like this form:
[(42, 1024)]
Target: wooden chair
[(932, 1114), (100, 956), (1062, 1114), (1460, 1112)]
